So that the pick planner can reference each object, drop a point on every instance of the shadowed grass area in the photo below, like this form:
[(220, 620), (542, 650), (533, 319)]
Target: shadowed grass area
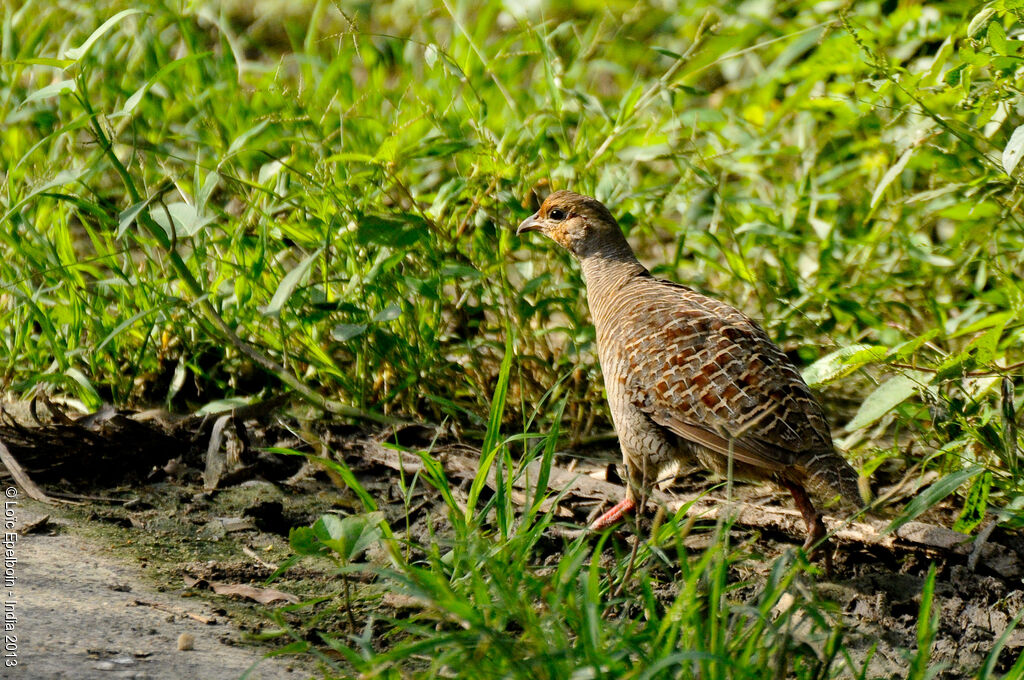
[(217, 201)]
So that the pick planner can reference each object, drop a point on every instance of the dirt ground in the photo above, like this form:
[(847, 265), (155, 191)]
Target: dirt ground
[(179, 537), (85, 612)]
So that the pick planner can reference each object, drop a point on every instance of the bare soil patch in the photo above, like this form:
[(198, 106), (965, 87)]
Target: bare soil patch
[(87, 613)]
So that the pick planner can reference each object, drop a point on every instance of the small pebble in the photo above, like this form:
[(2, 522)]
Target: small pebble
[(186, 641)]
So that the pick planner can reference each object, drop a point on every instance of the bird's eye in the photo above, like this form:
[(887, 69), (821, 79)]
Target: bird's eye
[(557, 214)]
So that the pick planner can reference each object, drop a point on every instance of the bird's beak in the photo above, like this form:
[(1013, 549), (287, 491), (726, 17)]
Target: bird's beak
[(529, 224)]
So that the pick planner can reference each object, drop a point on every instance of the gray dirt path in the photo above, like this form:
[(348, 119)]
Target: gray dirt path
[(82, 614)]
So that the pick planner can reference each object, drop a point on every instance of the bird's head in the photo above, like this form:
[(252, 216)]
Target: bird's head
[(580, 224)]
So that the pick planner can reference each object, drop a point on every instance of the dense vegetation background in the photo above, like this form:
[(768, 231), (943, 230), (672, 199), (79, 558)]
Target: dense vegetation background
[(206, 201)]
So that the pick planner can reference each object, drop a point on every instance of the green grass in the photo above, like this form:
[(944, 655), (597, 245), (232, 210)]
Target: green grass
[(489, 604), (203, 202)]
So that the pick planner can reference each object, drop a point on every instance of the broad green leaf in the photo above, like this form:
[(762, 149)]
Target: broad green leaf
[(841, 363), (76, 53), (387, 152), (348, 536), (910, 346), (177, 380), (327, 527), (434, 147), (973, 58), (1013, 150), (986, 345), (997, 38), (886, 397), (932, 495), (389, 313), (303, 541), (343, 332), (362, 531), (979, 351), (971, 210), (289, 283), (127, 216), (980, 21), (186, 219), (52, 90)]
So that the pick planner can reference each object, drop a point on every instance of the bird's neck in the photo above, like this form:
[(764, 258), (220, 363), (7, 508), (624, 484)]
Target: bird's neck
[(606, 272)]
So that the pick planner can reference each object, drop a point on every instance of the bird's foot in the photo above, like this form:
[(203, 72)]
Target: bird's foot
[(817, 543), (614, 515), (817, 534)]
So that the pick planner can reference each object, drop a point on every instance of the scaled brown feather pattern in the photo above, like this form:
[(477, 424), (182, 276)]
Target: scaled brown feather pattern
[(691, 380)]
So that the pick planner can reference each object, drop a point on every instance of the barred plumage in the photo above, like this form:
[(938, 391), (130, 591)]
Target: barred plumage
[(691, 379)]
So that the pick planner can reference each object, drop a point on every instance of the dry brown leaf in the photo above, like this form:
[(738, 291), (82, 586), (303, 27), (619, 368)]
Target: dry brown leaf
[(261, 595)]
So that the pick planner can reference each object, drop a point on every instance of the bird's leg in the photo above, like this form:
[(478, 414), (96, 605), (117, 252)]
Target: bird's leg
[(812, 518), (614, 515), (627, 504)]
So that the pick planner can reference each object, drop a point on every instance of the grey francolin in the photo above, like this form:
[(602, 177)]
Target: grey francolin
[(691, 379)]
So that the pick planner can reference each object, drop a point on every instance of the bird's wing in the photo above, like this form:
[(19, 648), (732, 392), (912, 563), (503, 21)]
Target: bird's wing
[(712, 376)]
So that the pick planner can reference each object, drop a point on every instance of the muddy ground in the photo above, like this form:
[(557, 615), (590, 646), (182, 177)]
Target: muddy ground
[(161, 532)]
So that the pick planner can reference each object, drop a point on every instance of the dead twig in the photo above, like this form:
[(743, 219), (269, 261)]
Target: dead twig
[(177, 611), (257, 559), (22, 478)]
